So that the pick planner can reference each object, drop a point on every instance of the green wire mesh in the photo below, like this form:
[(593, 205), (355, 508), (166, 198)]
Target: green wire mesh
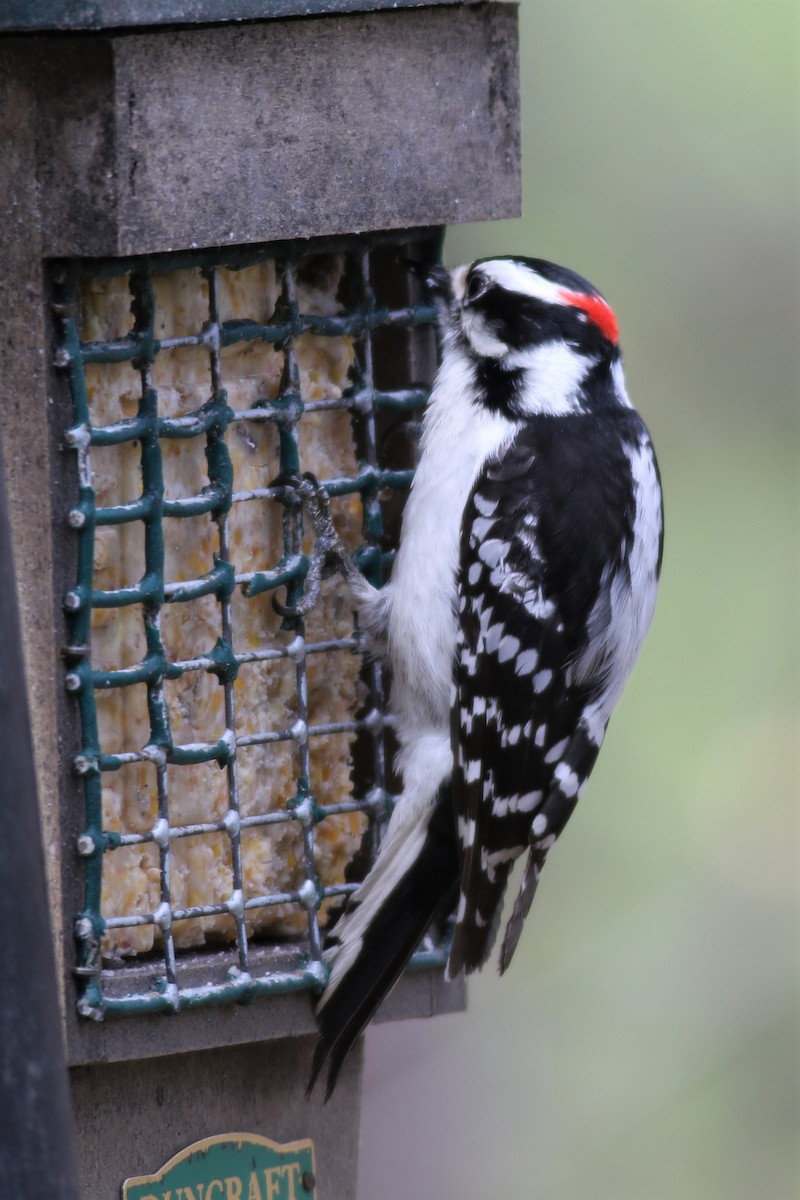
[(109, 987)]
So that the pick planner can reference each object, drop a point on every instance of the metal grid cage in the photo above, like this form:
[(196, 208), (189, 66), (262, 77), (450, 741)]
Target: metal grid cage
[(368, 325)]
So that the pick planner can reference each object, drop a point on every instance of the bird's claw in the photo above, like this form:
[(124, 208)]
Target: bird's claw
[(329, 549)]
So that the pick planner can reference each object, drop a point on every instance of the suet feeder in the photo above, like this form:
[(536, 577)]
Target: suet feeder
[(210, 205)]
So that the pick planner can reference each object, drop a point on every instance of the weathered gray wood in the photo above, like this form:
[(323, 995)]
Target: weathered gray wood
[(282, 129), (24, 427), (169, 1103), (36, 1150), (23, 15), (417, 994)]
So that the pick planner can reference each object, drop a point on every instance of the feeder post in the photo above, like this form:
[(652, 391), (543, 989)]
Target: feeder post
[(37, 1155)]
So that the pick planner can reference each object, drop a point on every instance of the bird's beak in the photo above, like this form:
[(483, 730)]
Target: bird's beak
[(439, 284), (435, 279)]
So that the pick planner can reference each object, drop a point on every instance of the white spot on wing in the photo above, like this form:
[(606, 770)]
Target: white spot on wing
[(466, 832), (485, 506), (491, 861), (593, 721), (555, 753), (472, 771), (503, 805), (542, 680), (537, 606), (493, 638), (493, 552), (508, 648), (468, 662), (567, 780), (529, 801), (480, 528), (527, 662)]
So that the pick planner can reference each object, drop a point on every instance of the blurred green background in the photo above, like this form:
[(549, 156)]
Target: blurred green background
[(644, 1044)]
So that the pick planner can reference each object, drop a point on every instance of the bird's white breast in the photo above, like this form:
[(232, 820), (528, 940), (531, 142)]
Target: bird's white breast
[(458, 437)]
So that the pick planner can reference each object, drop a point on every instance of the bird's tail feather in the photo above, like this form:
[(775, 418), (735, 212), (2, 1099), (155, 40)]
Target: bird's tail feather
[(424, 891), (522, 906), (473, 940)]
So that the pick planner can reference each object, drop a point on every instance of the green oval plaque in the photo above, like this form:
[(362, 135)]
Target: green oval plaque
[(232, 1166)]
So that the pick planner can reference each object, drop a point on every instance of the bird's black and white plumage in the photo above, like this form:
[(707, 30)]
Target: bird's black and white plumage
[(523, 587)]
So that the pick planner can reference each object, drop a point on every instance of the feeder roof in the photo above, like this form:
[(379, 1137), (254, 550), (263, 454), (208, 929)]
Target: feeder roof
[(17, 16)]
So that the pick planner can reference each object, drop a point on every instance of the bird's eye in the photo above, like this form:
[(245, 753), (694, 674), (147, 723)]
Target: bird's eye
[(476, 286)]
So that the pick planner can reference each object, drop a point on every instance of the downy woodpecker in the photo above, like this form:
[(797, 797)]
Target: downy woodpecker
[(523, 587)]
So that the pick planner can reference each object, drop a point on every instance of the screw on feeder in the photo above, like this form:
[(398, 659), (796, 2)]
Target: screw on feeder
[(72, 602), (78, 437), (86, 845), (84, 765), (84, 929)]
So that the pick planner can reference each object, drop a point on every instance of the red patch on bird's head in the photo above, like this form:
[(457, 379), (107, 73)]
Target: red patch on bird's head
[(599, 312)]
